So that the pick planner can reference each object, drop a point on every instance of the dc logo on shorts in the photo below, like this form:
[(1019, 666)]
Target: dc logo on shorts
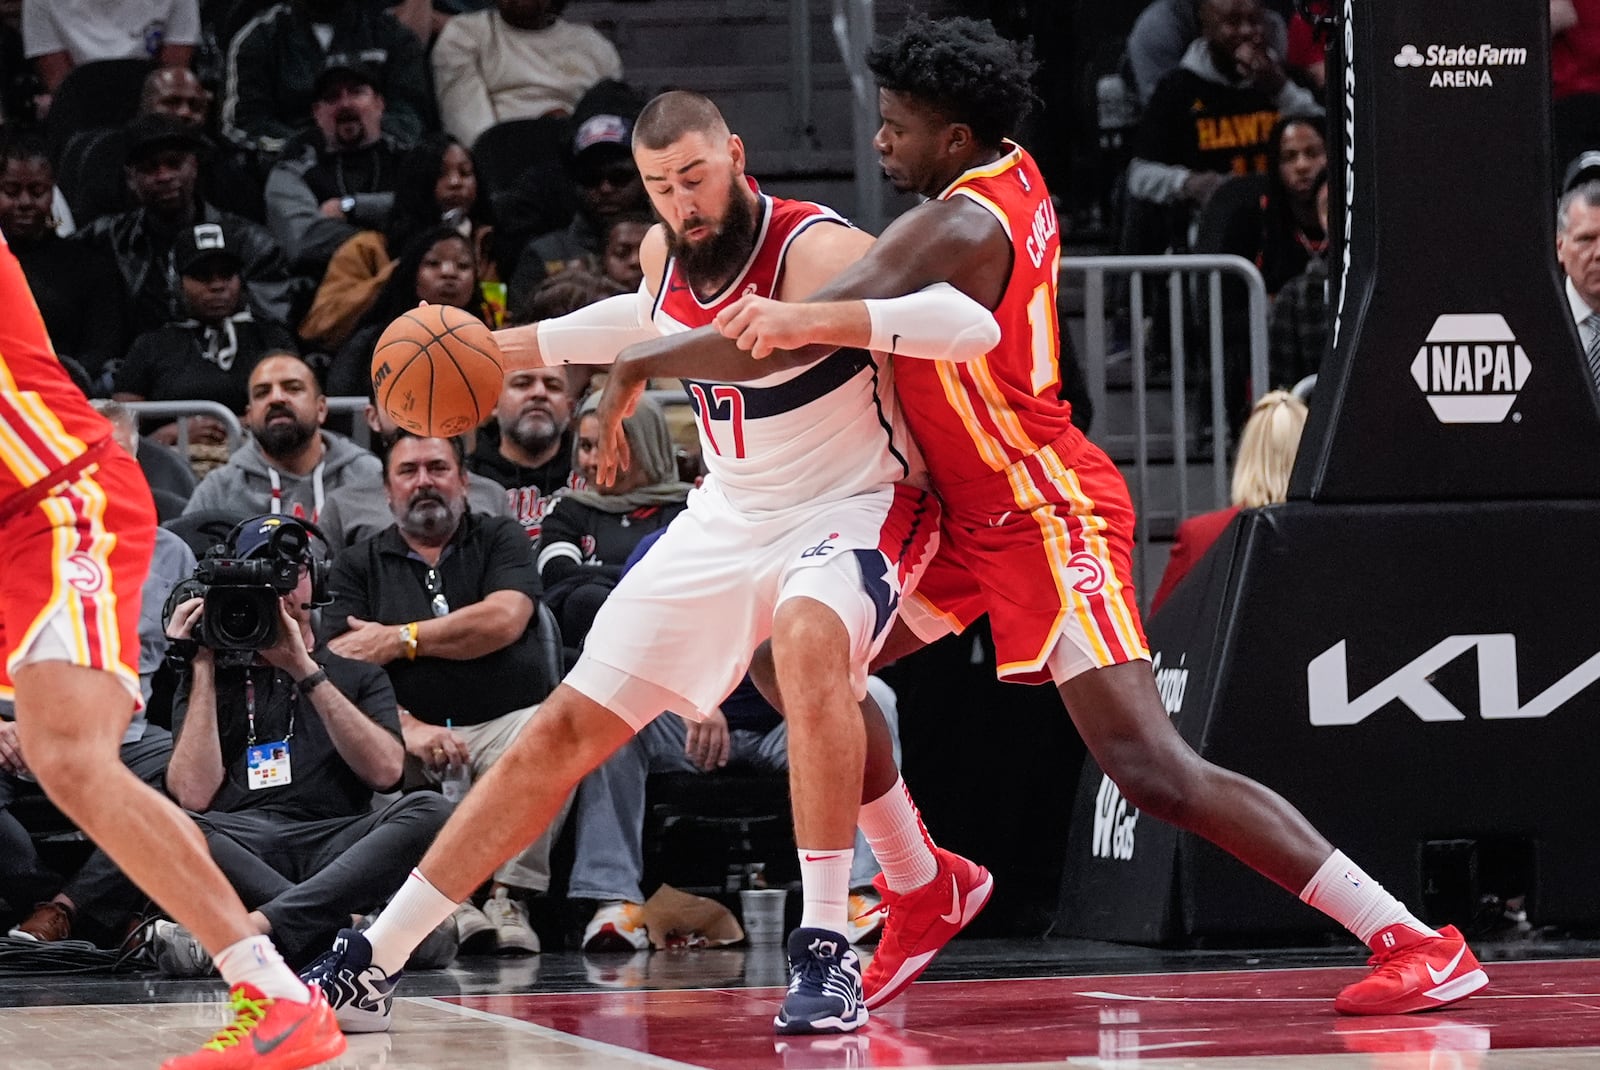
[(1086, 574), (83, 573)]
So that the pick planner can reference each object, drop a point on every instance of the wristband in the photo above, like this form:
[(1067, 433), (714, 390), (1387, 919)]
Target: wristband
[(310, 683), (408, 640)]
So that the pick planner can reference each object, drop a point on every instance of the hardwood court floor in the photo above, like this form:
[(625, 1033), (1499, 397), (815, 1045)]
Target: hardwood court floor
[(986, 1004)]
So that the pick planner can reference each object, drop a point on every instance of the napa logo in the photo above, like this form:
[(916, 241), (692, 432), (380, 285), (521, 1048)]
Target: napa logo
[(1471, 368)]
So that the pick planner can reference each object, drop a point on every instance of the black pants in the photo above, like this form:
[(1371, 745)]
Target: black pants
[(99, 891), (309, 877)]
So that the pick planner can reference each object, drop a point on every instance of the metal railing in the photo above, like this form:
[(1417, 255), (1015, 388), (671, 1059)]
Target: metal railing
[(177, 409), (854, 22), (354, 405), (1178, 270)]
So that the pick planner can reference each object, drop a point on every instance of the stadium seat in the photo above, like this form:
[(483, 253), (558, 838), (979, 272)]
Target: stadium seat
[(96, 95)]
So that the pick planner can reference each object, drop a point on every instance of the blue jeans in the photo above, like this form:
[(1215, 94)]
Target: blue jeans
[(609, 812)]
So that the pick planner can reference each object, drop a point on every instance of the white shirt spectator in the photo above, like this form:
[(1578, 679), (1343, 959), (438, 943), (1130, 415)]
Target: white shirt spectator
[(486, 71), (90, 30)]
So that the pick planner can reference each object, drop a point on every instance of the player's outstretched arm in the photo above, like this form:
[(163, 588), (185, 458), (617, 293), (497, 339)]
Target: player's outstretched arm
[(937, 322), (923, 290)]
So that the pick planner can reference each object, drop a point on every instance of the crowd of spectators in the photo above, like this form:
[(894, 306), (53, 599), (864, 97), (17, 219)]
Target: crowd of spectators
[(219, 206)]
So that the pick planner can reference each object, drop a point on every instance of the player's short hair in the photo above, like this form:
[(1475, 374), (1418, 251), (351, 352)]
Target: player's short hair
[(1587, 192), (961, 68), (674, 114)]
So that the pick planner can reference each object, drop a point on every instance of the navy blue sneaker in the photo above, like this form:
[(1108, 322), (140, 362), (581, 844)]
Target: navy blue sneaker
[(824, 985), (361, 995)]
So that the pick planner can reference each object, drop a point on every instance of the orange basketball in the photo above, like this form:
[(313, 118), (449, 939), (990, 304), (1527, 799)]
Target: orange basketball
[(437, 371)]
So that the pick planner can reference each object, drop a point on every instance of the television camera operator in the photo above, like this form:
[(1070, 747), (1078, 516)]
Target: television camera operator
[(280, 747)]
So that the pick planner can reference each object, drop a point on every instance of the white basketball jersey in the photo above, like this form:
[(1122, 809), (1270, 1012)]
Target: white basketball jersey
[(802, 436)]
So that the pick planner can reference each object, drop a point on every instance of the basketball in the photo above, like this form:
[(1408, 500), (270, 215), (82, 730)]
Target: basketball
[(437, 371)]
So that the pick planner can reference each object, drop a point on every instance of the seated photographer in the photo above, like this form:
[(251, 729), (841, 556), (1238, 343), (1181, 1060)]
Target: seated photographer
[(444, 599), (97, 902), (279, 747)]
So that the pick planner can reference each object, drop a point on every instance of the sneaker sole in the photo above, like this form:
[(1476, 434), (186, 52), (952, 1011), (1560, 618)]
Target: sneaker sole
[(821, 1025), (912, 968), (330, 1048), (366, 1023), (1452, 991)]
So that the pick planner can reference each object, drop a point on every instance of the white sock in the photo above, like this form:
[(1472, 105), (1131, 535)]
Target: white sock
[(254, 961), (902, 845), (416, 910), (1347, 895), (825, 881)]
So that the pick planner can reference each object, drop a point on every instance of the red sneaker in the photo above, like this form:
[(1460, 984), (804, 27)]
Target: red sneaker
[(920, 922), (268, 1034), (1413, 972)]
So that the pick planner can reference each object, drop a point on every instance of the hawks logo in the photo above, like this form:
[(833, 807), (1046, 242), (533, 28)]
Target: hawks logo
[(83, 573), (1085, 573)]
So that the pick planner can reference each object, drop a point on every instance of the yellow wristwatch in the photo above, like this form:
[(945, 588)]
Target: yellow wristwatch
[(408, 639)]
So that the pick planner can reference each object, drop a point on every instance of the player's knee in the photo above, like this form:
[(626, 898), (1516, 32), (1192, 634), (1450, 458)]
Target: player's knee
[(807, 636), (569, 735), (1158, 781), (67, 769)]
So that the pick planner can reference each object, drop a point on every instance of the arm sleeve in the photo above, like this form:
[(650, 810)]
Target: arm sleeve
[(938, 322), (596, 333)]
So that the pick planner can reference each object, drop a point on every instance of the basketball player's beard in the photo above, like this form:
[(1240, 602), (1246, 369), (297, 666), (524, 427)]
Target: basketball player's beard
[(715, 260)]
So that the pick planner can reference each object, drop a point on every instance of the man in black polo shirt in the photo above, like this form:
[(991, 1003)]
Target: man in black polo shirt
[(444, 599), (279, 759)]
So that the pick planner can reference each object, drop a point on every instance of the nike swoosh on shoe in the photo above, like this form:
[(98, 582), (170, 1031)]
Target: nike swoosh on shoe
[(265, 1046), (954, 916), (1440, 976)]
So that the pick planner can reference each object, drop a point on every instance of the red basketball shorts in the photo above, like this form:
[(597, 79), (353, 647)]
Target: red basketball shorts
[(1045, 549), (75, 562)]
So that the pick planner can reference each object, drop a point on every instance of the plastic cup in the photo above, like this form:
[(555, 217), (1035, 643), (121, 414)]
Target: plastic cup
[(763, 914)]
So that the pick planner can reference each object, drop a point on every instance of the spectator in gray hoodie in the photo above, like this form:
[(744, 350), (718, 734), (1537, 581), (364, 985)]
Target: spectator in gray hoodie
[(290, 464), (1212, 117), (1166, 29)]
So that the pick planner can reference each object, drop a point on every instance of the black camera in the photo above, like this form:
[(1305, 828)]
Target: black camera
[(242, 581)]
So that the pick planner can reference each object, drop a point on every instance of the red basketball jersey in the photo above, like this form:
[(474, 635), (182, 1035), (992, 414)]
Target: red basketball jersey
[(981, 417), (46, 424)]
